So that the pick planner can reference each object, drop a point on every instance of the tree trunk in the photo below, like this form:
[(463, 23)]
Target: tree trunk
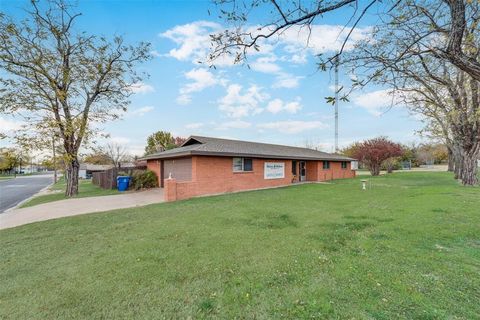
[(72, 177), (55, 178), (458, 159), (451, 159), (468, 174), (374, 169), (390, 167)]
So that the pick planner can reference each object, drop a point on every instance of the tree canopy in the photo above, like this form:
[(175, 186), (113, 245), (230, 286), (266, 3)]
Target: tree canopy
[(66, 79), (162, 140)]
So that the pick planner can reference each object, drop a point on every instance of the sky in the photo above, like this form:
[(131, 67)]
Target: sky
[(279, 97)]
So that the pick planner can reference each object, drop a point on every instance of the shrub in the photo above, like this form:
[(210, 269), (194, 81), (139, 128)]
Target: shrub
[(144, 179)]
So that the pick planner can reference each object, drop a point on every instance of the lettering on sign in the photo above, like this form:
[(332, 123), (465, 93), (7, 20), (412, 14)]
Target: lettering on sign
[(274, 170)]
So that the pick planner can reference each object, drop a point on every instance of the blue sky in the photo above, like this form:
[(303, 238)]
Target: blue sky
[(279, 99)]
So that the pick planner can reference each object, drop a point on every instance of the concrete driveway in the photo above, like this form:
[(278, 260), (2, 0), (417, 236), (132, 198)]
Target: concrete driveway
[(73, 207), (14, 191)]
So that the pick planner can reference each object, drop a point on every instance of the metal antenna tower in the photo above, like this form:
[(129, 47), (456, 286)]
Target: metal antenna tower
[(336, 101)]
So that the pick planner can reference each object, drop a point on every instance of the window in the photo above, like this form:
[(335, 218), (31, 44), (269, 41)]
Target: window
[(247, 164), (344, 164), (294, 167), (237, 164), (242, 164), (326, 165)]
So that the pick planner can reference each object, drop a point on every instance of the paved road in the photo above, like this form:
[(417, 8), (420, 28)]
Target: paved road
[(14, 191)]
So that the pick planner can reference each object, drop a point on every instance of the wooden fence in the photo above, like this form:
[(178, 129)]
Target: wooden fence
[(108, 179)]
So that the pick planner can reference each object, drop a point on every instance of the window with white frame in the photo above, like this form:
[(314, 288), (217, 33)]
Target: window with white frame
[(242, 164)]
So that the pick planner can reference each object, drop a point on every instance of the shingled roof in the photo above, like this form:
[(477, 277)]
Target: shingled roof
[(207, 146)]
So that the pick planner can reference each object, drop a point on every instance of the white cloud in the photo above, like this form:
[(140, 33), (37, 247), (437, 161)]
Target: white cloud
[(292, 126), (155, 53), (275, 106), (194, 43), (266, 65), (193, 126), (141, 111), (288, 81), (321, 39), (236, 124), (293, 107), (184, 99), (375, 102), (141, 87), (7, 126), (237, 105), (299, 58), (201, 79), (193, 40), (278, 105)]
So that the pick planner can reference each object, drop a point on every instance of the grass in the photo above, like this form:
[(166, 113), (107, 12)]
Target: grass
[(86, 189), (408, 248), (6, 177)]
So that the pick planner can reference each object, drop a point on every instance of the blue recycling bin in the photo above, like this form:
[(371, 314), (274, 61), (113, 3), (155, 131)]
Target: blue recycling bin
[(123, 182)]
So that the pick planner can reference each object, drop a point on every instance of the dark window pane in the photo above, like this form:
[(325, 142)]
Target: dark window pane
[(344, 164), (294, 167), (247, 165)]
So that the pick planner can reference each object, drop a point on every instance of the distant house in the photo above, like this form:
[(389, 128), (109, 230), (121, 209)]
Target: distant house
[(87, 169), (204, 165)]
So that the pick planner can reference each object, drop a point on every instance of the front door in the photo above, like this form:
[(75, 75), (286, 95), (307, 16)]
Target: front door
[(303, 171)]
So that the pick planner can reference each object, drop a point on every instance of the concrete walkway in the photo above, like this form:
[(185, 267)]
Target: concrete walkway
[(73, 207)]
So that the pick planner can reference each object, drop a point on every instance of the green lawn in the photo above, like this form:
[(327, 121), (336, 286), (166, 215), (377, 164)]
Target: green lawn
[(85, 189), (408, 248)]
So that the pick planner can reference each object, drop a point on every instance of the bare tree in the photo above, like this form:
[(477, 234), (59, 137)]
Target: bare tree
[(427, 51), (55, 74), (424, 81), (116, 153), (454, 21)]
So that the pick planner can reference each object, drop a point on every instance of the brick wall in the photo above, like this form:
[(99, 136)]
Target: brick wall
[(214, 175), (335, 171)]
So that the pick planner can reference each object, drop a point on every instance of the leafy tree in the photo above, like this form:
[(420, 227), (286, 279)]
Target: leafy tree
[(372, 153), (350, 150), (178, 141), (97, 157), (53, 74), (162, 140), (11, 158), (8, 159)]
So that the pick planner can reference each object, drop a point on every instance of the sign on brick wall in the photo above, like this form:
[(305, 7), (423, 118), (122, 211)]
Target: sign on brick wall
[(274, 170), (354, 165)]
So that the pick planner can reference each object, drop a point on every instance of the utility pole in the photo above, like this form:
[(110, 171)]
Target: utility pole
[(336, 102)]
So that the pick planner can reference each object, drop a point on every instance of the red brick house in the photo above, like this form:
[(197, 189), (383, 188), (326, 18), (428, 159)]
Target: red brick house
[(204, 165)]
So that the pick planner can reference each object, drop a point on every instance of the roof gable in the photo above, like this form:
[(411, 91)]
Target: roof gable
[(191, 140)]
